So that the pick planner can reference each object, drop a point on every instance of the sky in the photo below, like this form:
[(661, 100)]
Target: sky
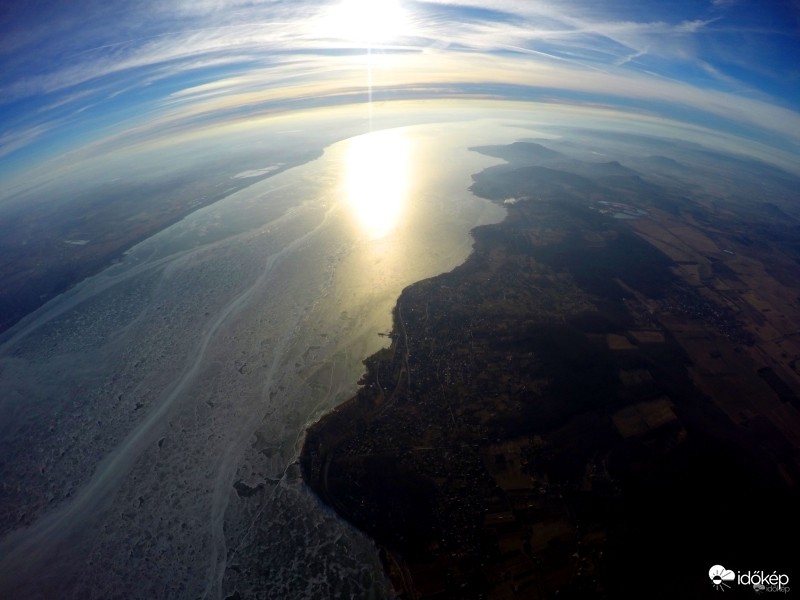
[(88, 77)]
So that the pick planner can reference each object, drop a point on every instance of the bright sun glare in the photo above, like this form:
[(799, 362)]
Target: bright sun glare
[(377, 179), (367, 21)]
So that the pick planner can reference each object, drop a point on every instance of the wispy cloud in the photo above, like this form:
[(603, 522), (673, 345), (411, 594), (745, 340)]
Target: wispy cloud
[(15, 139), (204, 58)]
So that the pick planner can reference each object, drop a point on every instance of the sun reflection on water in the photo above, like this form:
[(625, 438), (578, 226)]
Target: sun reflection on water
[(376, 178)]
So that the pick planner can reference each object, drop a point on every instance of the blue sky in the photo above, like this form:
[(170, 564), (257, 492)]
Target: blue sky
[(97, 75)]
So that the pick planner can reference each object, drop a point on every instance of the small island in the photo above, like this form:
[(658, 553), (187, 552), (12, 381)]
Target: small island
[(590, 391)]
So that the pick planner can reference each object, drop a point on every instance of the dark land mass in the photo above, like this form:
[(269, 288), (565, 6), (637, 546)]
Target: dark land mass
[(47, 247), (588, 407)]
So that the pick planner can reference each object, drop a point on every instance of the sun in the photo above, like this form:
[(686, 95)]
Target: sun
[(368, 22)]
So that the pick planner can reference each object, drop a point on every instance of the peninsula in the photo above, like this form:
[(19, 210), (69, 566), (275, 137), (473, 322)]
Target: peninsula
[(596, 386)]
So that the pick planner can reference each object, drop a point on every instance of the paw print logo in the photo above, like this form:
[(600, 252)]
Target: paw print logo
[(719, 575)]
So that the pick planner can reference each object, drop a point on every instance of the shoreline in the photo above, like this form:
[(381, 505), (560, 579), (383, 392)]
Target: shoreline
[(364, 406)]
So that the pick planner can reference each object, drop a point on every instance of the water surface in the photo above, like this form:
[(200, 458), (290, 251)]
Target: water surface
[(151, 417)]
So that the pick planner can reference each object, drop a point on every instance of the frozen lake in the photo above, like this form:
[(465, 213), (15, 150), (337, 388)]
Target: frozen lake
[(150, 418)]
